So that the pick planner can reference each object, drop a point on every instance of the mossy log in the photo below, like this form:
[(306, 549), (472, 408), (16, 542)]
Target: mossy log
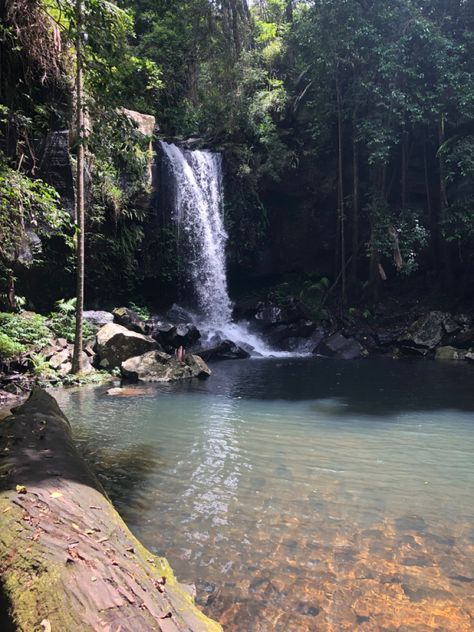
[(68, 562)]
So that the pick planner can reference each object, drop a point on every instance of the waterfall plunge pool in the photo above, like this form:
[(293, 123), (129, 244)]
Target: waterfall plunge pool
[(300, 494)]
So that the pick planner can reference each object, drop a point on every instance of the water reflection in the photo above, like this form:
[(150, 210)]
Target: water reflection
[(302, 495)]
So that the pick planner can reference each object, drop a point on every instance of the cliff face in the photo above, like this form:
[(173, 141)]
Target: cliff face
[(68, 562)]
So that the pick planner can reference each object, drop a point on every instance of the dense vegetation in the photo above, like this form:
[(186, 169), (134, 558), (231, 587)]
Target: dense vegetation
[(347, 128)]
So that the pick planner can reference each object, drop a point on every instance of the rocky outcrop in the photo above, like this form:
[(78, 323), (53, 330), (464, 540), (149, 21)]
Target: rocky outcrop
[(157, 366), (55, 167), (338, 346), (115, 343), (128, 318), (450, 353), (171, 336), (98, 318), (224, 350), (68, 560)]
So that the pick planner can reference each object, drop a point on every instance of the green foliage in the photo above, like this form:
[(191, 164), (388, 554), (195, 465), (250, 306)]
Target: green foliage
[(62, 321), (25, 329), (28, 209), (9, 349), (143, 312), (40, 366)]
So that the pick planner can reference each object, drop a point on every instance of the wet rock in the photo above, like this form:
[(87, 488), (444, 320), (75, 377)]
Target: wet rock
[(224, 350), (115, 343), (98, 318), (177, 314), (338, 346), (129, 319), (426, 332), (157, 366), (449, 353), (291, 311), (469, 356), (171, 336), (185, 335), (388, 336), (464, 339)]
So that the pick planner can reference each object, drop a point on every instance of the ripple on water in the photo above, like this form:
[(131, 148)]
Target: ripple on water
[(314, 501)]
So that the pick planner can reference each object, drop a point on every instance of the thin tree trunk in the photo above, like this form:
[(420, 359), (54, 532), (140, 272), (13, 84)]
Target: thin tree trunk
[(77, 357), (443, 206), (355, 200), (403, 169), (429, 206), (340, 192)]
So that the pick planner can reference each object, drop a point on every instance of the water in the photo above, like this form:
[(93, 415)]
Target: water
[(302, 494), (197, 200)]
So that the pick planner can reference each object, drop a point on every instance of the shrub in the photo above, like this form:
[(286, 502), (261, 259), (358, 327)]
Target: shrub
[(9, 348), (25, 329), (62, 321)]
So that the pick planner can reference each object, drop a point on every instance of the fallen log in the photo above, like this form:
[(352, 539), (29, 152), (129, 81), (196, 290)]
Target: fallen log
[(68, 562)]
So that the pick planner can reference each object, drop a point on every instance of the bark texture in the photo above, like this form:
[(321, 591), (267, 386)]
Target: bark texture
[(67, 560)]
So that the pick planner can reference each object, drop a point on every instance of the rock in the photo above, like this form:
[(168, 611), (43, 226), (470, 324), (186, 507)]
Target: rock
[(50, 349), (129, 319), (427, 331), (338, 346), (55, 167), (173, 336), (62, 342), (157, 366), (388, 336), (59, 358), (469, 356), (224, 350), (464, 339), (291, 311), (185, 335), (98, 318), (179, 315), (449, 353), (64, 369), (269, 315), (197, 365), (115, 343)]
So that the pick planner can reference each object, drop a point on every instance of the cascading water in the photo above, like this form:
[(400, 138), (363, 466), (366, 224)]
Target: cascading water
[(197, 199)]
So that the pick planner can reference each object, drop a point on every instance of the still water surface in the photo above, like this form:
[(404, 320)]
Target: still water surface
[(301, 494)]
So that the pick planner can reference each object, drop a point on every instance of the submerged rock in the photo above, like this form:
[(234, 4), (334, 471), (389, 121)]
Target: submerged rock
[(115, 343), (157, 366)]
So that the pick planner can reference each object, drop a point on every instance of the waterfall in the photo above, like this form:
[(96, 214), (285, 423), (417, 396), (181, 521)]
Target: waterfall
[(194, 180), (198, 212)]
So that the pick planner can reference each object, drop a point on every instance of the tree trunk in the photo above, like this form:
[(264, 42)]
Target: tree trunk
[(355, 200), (68, 562), (443, 206), (80, 219), (340, 192)]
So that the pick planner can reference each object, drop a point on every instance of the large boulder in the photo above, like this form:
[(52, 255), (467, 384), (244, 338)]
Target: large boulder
[(129, 319), (338, 346), (157, 366), (450, 353), (179, 315), (172, 336), (428, 331), (224, 350), (98, 318), (115, 343)]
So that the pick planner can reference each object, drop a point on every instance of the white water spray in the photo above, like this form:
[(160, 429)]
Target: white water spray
[(198, 212)]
